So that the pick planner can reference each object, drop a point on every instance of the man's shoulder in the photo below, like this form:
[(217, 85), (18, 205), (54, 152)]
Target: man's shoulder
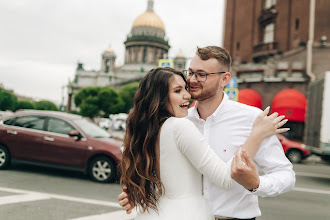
[(241, 108)]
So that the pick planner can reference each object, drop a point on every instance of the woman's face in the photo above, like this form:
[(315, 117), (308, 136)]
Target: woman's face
[(178, 96)]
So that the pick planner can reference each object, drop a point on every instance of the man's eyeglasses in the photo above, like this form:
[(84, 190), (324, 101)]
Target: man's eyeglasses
[(200, 76)]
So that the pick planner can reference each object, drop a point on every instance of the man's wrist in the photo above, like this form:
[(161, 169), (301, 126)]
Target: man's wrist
[(253, 190), (255, 187)]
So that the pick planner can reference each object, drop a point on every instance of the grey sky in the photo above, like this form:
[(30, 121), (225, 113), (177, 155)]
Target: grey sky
[(42, 40)]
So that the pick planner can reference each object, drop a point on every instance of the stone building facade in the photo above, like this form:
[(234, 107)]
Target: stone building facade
[(269, 43)]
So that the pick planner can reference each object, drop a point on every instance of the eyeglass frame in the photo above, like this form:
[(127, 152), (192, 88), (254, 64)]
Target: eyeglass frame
[(191, 74)]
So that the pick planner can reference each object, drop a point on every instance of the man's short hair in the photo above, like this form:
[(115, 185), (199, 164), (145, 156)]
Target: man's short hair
[(216, 52)]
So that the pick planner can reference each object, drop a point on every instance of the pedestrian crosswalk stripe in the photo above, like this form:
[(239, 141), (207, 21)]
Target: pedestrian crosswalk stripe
[(63, 197), (118, 215), (324, 192), (4, 200)]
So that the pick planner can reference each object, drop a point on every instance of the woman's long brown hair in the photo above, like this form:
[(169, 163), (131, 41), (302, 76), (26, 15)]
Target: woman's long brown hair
[(140, 163)]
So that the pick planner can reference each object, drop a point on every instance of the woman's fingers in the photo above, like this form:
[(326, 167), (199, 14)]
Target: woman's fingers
[(281, 130), (265, 112), (274, 115), (281, 123), (279, 119)]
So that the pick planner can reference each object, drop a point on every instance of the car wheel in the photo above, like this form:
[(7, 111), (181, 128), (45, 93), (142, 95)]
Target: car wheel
[(295, 156), (102, 169), (4, 157)]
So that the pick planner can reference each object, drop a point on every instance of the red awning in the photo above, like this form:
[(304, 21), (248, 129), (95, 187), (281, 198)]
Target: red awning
[(250, 97), (291, 103)]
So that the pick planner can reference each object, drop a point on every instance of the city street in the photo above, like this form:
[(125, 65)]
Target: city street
[(29, 192)]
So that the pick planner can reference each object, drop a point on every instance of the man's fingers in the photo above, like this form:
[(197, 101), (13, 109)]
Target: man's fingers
[(122, 196), (129, 211), (128, 206), (248, 159), (123, 202)]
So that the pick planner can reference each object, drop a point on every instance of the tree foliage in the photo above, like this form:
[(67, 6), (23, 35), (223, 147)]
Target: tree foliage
[(98, 101), (23, 104), (46, 105), (8, 101), (127, 93)]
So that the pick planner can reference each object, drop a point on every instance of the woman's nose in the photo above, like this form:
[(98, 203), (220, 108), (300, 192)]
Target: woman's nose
[(187, 95)]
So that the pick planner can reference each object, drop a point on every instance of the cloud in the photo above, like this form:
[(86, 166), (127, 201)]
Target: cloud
[(41, 41)]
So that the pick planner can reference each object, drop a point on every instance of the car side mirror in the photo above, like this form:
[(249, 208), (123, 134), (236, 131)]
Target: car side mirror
[(74, 133)]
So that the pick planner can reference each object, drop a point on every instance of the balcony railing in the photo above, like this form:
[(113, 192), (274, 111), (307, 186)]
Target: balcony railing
[(265, 47)]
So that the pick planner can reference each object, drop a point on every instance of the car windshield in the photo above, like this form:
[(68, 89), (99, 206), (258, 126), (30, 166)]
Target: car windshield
[(91, 129)]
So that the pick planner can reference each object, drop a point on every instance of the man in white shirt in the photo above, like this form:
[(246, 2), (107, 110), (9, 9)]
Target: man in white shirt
[(226, 125)]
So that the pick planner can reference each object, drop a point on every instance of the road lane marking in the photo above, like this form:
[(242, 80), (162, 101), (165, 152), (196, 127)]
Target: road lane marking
[(63, 197), (4, 200), (117, 215), (312, 175), (311, 190)]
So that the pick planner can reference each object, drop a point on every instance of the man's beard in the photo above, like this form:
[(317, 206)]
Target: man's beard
[(205, 94)]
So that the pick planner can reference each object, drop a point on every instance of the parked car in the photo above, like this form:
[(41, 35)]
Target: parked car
[(294, 151), (60, 140), (104, 123), (5, 113)]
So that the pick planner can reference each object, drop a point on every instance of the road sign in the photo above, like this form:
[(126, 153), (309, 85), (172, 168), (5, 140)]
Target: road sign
[(232, 83), (231, 89), (165, 63), (232, 93)]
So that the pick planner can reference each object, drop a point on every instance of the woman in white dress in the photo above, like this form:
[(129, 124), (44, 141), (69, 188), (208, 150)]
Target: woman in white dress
[(165, 155)]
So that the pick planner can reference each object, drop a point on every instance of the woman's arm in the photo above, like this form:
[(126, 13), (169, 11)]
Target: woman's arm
[(194, 146), (264, 126)]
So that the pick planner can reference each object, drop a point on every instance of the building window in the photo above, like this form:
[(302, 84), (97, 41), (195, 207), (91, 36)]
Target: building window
[(269, 33), (297, 24), (269, 3), (237, 46)]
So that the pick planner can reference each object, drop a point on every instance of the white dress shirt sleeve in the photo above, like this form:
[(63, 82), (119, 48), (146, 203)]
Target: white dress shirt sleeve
[(193, 145), (279, 176)]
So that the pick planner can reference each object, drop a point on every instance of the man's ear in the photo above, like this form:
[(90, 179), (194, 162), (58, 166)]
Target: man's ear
[(225, 79)]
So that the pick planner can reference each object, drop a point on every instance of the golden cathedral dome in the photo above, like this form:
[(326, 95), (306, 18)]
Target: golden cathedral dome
[(149, 18), (109, 49)]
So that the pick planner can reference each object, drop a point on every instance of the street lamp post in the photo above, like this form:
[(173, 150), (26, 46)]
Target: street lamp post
[(70, 93)]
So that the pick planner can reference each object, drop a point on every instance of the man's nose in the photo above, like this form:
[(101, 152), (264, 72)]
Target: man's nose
[(193, 78)]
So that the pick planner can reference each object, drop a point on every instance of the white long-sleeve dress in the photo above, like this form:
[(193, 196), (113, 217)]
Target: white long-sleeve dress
[(184, 158)]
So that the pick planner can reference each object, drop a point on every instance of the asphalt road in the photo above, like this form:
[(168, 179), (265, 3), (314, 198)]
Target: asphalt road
[(29, 192)]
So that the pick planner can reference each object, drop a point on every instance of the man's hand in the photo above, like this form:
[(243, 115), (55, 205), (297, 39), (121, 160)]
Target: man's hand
[(243, 170), (124, 203)]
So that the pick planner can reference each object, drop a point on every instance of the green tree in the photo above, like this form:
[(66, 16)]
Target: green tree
[(89, 107), (110, 101), (88, 102), (98, 101), (23, 104), (84, 93), (46, 105), (127, 93), (8, 101)]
